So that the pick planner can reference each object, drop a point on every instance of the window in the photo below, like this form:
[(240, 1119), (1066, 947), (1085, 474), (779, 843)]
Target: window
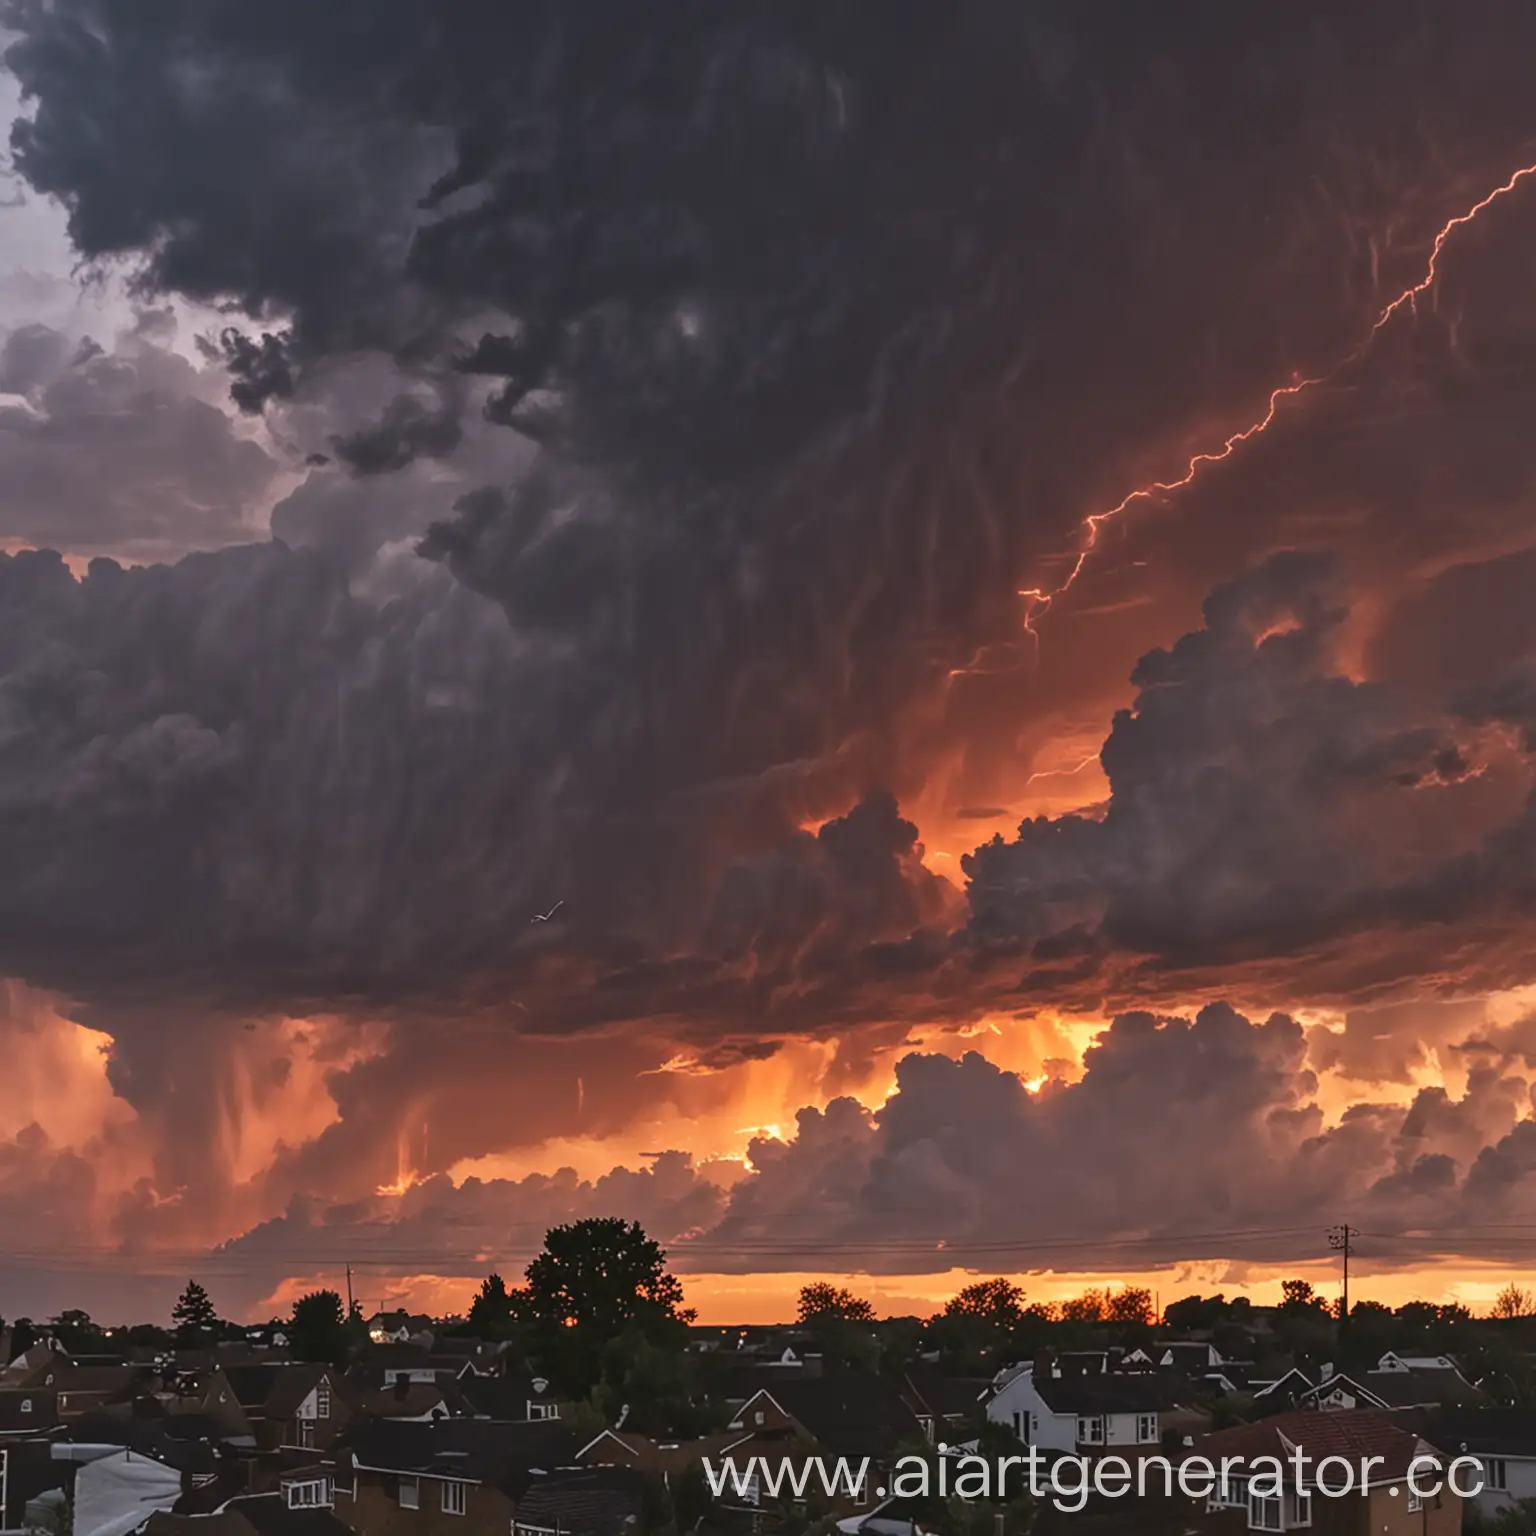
[(1090, 1431), (1415, 1503), (1230, 1492), (1018, 1424), (1495, 1473), (313, 1494), (323, 1400), (1265, 1514), (543, 1410), (454, 1498), (1146, 1428), (307, 1434), (26, 1405), (410, 1493), (757, 1417), (1298, 1510)]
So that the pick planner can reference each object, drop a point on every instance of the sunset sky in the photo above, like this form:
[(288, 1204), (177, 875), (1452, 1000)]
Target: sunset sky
[(897, 640)]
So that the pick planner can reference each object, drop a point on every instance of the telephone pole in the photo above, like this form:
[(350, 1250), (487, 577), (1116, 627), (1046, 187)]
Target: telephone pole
[(349, 1293), (1339, 1239)]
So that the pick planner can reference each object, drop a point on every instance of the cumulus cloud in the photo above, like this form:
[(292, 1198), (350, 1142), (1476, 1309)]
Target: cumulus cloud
[(119, 452), (1261, 804)]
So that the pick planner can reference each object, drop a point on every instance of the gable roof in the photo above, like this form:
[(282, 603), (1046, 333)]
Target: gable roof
[(590, 1501), (1353, 1436), (848, 1413), (1399, 1388)]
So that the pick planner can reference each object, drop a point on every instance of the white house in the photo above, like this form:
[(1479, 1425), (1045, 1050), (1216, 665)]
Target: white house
[(1504, 1440), (1080, 1414)]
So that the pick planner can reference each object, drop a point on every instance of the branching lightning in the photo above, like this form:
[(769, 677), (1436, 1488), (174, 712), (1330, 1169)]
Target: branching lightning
[(1039, 599)]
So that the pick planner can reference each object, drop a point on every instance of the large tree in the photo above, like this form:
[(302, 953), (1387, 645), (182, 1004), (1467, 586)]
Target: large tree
[(596, 1282), (821, 1301), (995, 1303), (193, 1315), (603, 1275), (495, 1311), (318, 1328)]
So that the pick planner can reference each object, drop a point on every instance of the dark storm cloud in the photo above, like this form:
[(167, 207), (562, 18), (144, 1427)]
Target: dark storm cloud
[(814, 323), (1185, 1138), (119, 451), (1262, 804), (822, 332)]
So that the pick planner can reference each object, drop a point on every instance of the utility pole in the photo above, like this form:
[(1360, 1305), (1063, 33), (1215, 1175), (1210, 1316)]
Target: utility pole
[(1339, 1239), (349, 1293)]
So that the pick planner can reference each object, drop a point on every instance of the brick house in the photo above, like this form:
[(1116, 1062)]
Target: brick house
[(447, 1477), (1384, 1503)]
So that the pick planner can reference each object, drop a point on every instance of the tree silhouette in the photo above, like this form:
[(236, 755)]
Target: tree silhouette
[(318, 1328), (1513, 1301), (821, 1300), (997, 1303), (495, 1310), (603, 1275), (1298, 1297), (598, 1281), (193, 1315)]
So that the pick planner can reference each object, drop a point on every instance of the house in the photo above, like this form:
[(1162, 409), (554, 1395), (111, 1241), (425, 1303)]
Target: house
[(1089, 1414), (1247, 1498), (294, 1406), (30, 1367), (421, 1400), (586, 1501), (266, 1514), (1435, 1383), (518, 1397), (945, 1406), (26, 1412), (623, 1448), (1287, 1387), (452, 1477), (1503, 1439), (83, 1388), (847, 1413), (398, 1327)]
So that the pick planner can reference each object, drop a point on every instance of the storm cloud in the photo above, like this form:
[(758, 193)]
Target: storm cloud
[(665, 416)]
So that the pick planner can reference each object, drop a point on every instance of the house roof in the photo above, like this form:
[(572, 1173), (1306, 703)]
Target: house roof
[(589, 1501), (1350, 1435), (931, 1391), (849, 1413), (219, 1523), (1428, 1388), (1113, 1394), (470, 1450), (504, 1397), (1484, 1431), (268, 1515), (42, 1409), (657, 1455), (417, 1400)]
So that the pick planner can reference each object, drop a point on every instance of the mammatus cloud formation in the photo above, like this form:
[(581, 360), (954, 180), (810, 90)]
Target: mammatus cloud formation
[(656, 418)]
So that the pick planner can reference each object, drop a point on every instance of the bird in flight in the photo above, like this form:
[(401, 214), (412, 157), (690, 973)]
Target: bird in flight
[(544, 917)]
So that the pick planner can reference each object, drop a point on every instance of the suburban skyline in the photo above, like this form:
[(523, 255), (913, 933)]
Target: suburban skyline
[(897, 653)]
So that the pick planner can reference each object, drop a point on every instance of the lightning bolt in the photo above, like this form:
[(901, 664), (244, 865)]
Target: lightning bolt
[(1039, 599)]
